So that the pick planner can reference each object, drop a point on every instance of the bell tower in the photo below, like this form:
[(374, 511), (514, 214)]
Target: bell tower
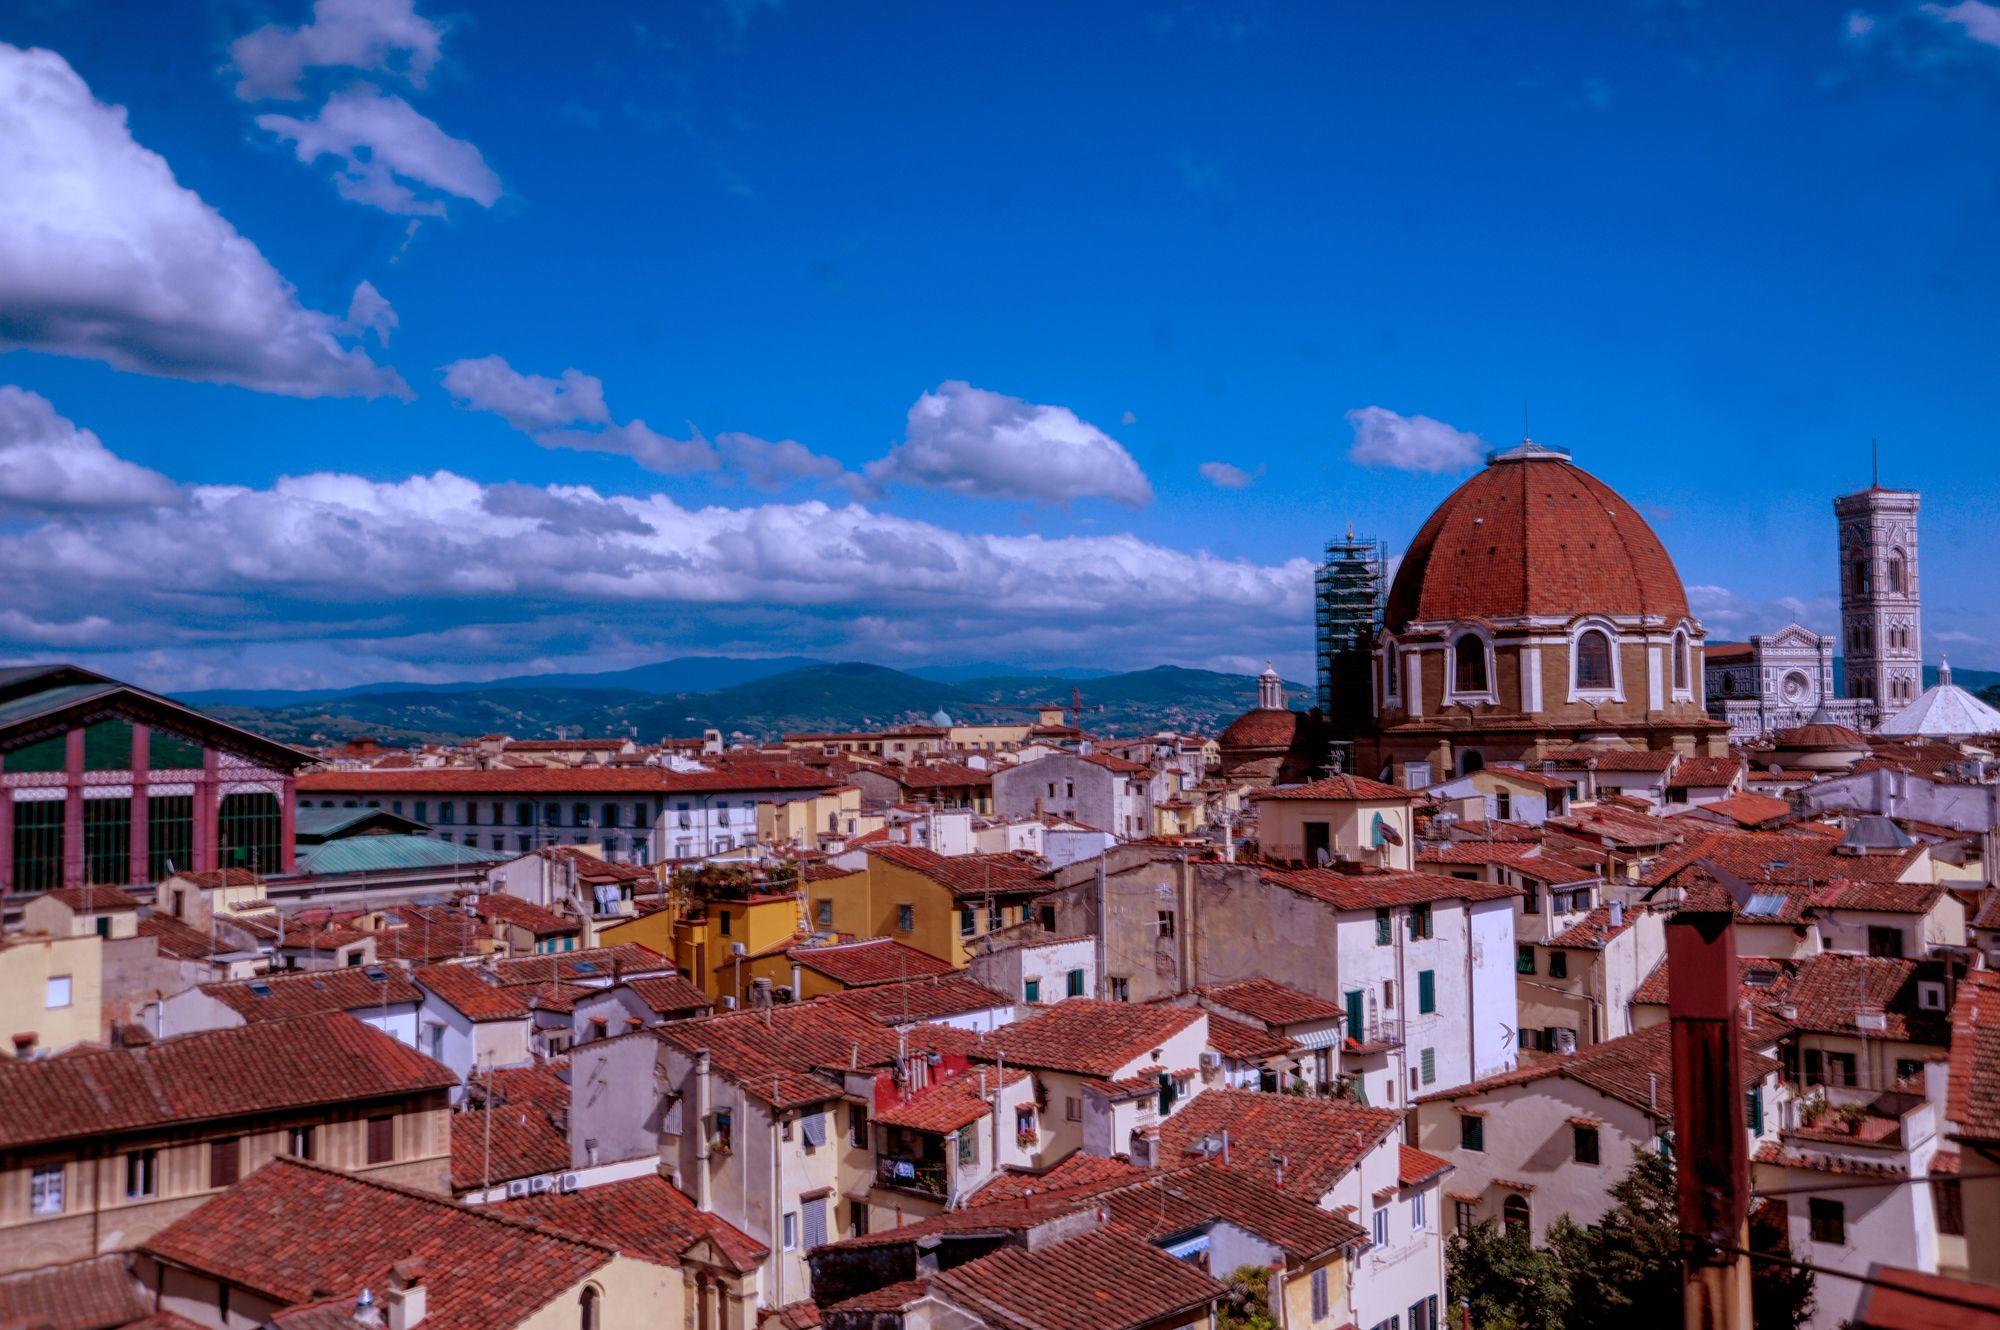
[(1881, 630)]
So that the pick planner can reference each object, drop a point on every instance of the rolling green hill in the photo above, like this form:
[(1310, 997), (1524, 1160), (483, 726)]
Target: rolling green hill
[(848, 696)]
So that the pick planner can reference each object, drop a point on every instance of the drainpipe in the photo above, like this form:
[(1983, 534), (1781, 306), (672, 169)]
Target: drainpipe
[(777, 1212), (1189, 978), (702, 1198), (1471, 1002), (1103, 908)]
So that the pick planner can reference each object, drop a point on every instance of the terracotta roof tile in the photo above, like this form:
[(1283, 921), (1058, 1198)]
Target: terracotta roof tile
[(538, 920), (93, 900), (517, 1133), (1339, 788), (920, 999), (948, 1105), (969, 876), (1974, 1102), (1089, 1038), (94, 1294), (468, 990), (292, 1231), (787, 1055), (1271, 1002), (1417, 1166), (1240, 1042), (284, 997), (670, 995), (596, 965), (259, 1068), (1109, 1280), (1636, 1069), (1079, 1173), (1747, 809), (1373, 888), (1707, 772), (876, 960), (1172, 1201), (1321, 1138)]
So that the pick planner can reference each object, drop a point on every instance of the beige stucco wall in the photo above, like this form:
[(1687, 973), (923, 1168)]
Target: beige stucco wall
[(27, 963), (1281, 829)]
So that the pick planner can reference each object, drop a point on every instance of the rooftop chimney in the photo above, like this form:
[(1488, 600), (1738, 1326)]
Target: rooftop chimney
[(409, 1296)]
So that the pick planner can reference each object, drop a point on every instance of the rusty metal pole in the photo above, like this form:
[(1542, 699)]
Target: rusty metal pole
[(1711, 1145)]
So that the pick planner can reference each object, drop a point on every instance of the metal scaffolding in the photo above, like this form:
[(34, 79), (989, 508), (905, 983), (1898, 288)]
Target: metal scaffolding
[(1348, 601)]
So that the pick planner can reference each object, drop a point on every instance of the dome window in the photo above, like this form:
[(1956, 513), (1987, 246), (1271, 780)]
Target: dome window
[(1681, 670), (1593, 660), (1468, 660)]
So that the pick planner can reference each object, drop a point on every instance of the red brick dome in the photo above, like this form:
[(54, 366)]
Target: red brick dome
[(1262, 728), (1534, 534)]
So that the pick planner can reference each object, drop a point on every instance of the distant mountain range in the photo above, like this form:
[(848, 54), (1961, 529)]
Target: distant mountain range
[(758, 698)]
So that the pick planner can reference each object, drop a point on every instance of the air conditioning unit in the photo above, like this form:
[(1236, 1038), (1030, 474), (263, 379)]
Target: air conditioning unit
[(569, 1182), (728, 1002), (1870, 1020), (517, 1189), (1211, 1060), (541, 1184)]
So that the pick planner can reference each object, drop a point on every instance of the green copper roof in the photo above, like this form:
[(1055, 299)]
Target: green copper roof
[(388, 854)]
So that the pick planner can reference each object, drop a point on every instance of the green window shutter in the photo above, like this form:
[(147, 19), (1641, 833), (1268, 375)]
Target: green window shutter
[(1524, 958), (1032, 991), (1426, 991), (1755, 1099), (1356, 1020), (1076, 983), (1471, 1132), (1382, 926), (1430, 1072)]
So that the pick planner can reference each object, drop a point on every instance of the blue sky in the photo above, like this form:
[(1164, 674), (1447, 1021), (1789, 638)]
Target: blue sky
[(1712, 248)]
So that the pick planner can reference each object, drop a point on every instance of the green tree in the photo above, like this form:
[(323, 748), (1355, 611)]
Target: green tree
[(1511, 1283), (1621, 1273), (1248, 1306)]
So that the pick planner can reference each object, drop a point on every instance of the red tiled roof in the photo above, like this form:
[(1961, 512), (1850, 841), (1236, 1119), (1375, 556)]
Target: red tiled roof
[(875, 960), (1782, 856), (292, 1231), (1539, 779), (1636, 1069), (1707, 772), (969, 876), (1748, 809), (1608, 758), (1913, 1300), (97, 1293), (1109, 1281), (1416, 1166), (1521, 858), (1339, 788), (1246, 1043), (950, 1104), (93, 900), (1373, 888), (1116, 765), (182, 942), (1172, 1201), (468, 990), (1269, 1001), (670, 995), (938, 776), (1593, 823), (310, 992), (746, 777), (1777, 974), (794, 1316), (1534, 536), (518, 1135), (1320, 1138), (595, 964), (1594, 930), (927, 999), (1974, 1096), (647, 1215), (1089, 1038), (261, 1068), (1830, 989), (538, 920), (786, 1055)]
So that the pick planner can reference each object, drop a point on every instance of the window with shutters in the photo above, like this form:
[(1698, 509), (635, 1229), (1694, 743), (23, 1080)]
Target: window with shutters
[(1828, 1220), (1357, 1024), (814, 1210), (225, 1162), (1073, 985), (1384, 926), (812, 1128), (1420, 921), (1471, 1132), (381, 1140), (1524, 958), (1426, 991), (1322, 1302), (1031, 990), (1428, 1061)]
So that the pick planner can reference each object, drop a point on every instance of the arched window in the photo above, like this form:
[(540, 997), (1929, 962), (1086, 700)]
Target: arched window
[(1514, 1212), (1897, 576), (1391, 671), (1682, 672), (1593, 659), (587, 1310), (1857, 574), (1468, 656), (1471, 760)]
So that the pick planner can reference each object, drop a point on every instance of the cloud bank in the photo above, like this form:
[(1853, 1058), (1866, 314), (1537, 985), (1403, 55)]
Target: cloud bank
[(971, 441), (1410, 443)]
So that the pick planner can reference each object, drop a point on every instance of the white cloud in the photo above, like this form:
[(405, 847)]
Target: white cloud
[(388, 36), (371, 312), (105, 256), (1410, 443), (768, 465), (48, 465), (331, 572), (1730, 616), (385, 146), (530, 403), (1980, 22), (1229, 476), (1859, 24), (646, 446), (971, 441)]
